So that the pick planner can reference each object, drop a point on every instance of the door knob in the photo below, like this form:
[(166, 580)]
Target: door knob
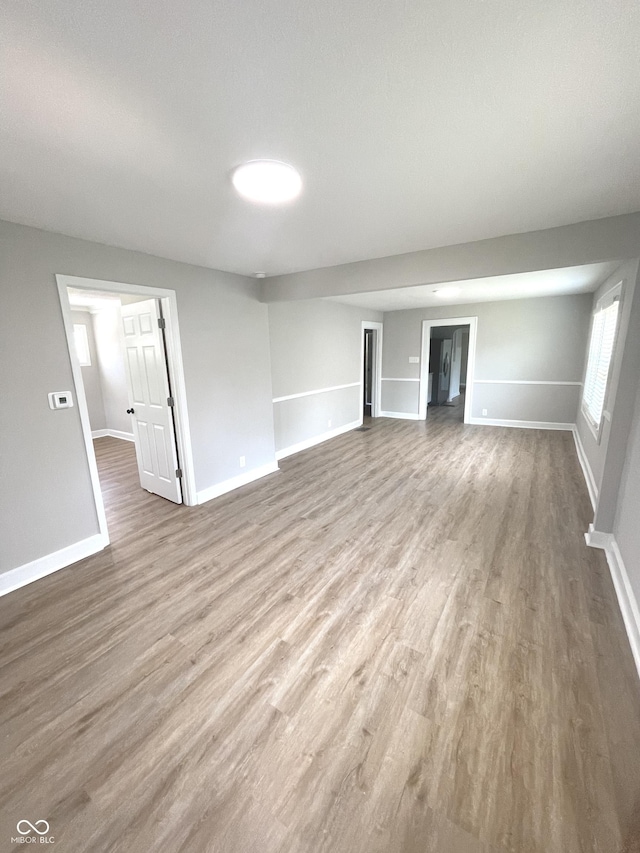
[(130, 411)]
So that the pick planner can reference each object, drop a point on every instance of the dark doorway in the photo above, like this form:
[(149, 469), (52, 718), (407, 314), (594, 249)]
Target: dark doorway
[(448, 357), (367, 372)]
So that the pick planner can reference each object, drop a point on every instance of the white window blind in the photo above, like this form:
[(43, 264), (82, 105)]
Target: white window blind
[(82, 344), (603, 336)]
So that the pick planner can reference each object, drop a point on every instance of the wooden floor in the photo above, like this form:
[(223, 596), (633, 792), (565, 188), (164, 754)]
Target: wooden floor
[(451, 412), (398, 644)]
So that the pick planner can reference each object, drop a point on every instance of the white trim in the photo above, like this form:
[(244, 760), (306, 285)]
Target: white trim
[(596, 539), (523, 382), (427, 325), (404, 416), (235, 482), (317, 391), (521, 424), (83, 408), (624, 591), (112, 433), (618, 285), (377, 369), (43, 566), (590, 480), (179, 389), (317, 439), (397, 379), (176, 376)]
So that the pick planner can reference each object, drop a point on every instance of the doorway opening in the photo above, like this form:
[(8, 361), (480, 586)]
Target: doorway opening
[(371, 370), (447, 367), (367, 373), (125, 353), (448, 353)]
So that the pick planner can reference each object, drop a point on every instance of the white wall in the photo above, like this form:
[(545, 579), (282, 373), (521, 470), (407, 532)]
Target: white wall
[(91, 374), (113, 378), (46, 500), (533, 340), (315, 345)]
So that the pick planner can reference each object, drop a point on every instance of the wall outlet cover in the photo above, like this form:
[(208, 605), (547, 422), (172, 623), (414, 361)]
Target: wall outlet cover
[(414, 359), (243, 461), (484, 413)]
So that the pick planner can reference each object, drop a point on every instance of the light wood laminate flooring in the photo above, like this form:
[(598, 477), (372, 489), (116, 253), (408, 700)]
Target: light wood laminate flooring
[(398, 644)]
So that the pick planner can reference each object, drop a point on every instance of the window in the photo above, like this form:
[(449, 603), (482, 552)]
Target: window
[(601, 346), (82, 344)]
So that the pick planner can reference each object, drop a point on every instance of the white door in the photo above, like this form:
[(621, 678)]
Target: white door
[(149, 403), (456, 363)]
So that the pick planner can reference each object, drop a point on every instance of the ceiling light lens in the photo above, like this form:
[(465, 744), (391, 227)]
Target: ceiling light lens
[(267, 181)]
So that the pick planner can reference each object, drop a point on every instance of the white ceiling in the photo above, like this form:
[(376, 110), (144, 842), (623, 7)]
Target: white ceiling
[(583, 279), (413, 124), (94, 300)]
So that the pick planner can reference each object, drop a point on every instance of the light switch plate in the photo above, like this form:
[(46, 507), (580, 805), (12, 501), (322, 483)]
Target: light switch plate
[(414, 359)]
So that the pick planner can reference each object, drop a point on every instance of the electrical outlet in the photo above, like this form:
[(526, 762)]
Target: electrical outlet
[(243, 461), (484, 413), (329, 423)]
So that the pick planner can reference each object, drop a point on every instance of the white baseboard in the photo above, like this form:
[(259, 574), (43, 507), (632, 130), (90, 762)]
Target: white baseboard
[(624, 591), (596, 539), (22, 575), (404, 416), (317, 439), (235, 482), (112, 433), (521, 424), (590, 480)]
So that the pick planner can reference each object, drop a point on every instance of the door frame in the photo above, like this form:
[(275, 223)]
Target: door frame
[(427, 325), (376, 384), (176, 378)]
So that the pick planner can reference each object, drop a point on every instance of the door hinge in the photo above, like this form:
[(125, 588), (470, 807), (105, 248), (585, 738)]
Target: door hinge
[(162, 323), (170, 401), (179, 473)]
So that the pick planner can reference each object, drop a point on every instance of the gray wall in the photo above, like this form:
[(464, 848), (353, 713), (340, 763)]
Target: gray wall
[(614, 238), (626, 372), (627, 522), (596, 449), (46, 501), (315, 344), (91, 374), (525, 339)]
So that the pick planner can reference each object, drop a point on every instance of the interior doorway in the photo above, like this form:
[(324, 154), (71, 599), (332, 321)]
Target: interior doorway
[(132, 398), (447, 368), (370, 369), (367, 373), (448, 355)]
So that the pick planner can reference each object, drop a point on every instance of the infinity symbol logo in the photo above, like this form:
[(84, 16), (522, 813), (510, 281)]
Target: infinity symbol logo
[(32, 827)]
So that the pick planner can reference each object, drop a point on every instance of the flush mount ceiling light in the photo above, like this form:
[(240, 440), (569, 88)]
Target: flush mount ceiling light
[(446, 292), (267, 181)]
